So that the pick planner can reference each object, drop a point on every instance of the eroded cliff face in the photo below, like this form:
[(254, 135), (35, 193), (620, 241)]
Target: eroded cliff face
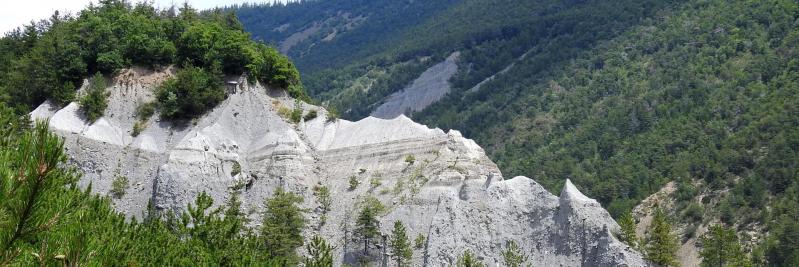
[(452, 193)]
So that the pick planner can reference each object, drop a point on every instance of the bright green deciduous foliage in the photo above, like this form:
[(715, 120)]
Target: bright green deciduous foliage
[(319, 253), (661, 245), (367, 227), (95, 101), (282, 226), (513, 255), (400, 245), (49, 59), (191, 93), (628, 235), (720, 248), (278, 71), (468, 259)]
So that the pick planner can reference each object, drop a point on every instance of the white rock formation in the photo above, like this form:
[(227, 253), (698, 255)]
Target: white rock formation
[(452, 193)]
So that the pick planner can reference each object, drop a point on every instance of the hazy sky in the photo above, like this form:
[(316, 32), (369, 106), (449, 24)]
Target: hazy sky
[(15, 13)]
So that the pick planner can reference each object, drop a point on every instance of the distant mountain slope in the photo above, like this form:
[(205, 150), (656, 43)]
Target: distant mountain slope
[(705, 95), (622, 96), (326, 34), (379, 47)]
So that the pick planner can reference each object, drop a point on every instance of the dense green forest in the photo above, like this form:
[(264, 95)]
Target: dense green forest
[(621, 97), (704, 94), (51, 58), (398, 40), (353, 41)]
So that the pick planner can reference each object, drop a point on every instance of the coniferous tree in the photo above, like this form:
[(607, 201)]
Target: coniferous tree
[(720, 248), (513, 255), (367, 226), (401, 250), (31, 175), (468, 259), (319, 253), (628, 235), (661, 244), (782, 248), (282, 226)]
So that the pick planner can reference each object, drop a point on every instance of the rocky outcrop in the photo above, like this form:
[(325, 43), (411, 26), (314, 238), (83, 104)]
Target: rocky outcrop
[(428, 88), (451, 193)]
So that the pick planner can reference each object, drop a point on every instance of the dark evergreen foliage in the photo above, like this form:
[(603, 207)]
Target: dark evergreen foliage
[(620, 96), (50, 59), (720, 248), (661, 244)]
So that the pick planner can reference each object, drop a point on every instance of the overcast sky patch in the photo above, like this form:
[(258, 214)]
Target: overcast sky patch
[(15, 13)]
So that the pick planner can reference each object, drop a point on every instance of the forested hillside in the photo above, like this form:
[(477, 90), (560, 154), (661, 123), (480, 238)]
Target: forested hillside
[(394, 42), (705, 95), (620, 96)]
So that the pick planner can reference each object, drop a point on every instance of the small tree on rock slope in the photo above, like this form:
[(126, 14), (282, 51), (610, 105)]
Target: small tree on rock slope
[(401, 250), (282, 226), (367, 227), (661, 244)]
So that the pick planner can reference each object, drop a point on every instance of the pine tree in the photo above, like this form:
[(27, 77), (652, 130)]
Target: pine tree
[(319, 253), (661, 244), (513, 255), (32, 176), (720, 248), (419, 241), (367, 226), (282, 226), (627, 235), (468, 259), (400, 245)]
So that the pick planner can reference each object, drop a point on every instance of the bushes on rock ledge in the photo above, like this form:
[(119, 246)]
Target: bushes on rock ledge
[(190, 93), (94, 102)]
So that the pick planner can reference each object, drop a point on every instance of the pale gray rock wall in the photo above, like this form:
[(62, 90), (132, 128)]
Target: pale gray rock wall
[(428, 88), (452, 193)]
